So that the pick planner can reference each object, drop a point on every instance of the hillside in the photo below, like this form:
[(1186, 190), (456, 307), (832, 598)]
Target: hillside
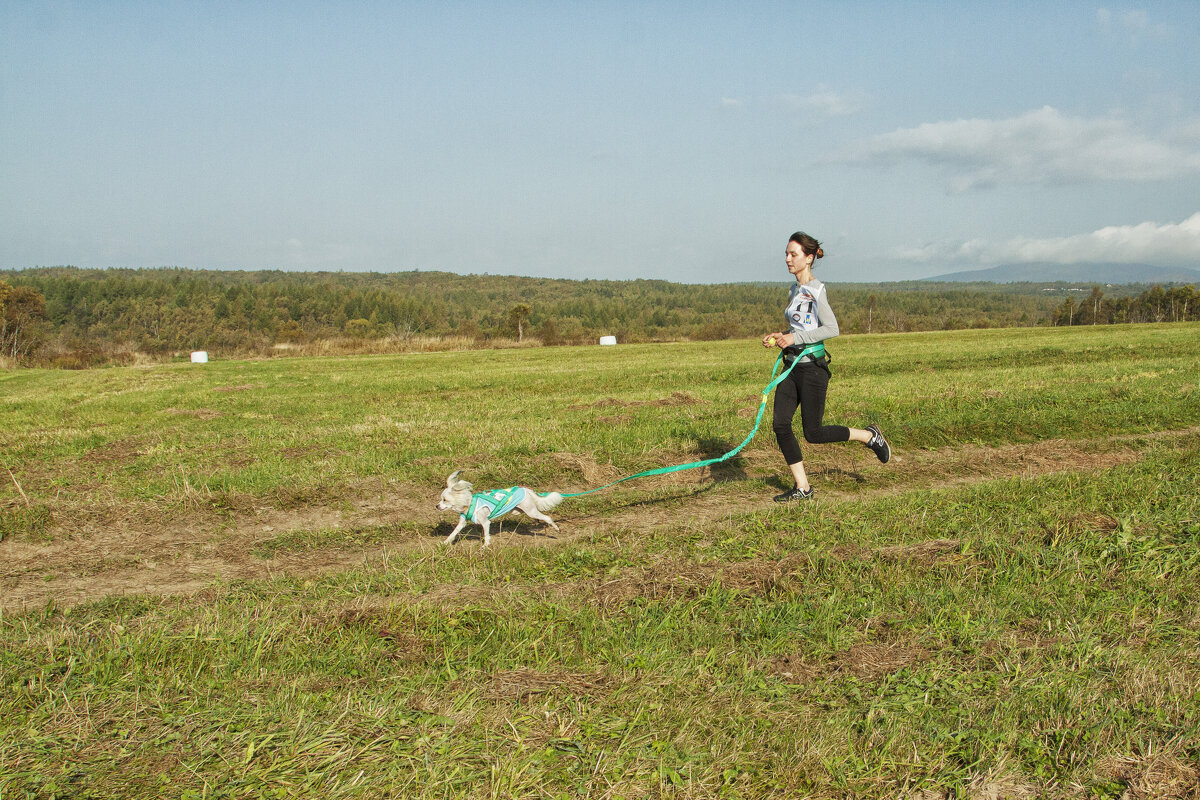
[(81, 317)]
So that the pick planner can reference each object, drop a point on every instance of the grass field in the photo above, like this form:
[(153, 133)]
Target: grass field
[(226, 580)]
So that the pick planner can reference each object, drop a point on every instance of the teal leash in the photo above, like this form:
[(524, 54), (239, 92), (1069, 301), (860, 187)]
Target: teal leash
[(816, 350)]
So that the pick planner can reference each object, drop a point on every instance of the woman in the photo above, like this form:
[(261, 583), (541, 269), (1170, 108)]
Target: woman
[(811, 321)]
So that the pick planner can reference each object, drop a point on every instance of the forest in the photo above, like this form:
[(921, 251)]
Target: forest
[(72, 317)]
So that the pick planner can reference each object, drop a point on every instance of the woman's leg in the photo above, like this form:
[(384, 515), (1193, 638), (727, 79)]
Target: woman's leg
[(800, 475), (813, 387), (814, 384), (806, 388), (787, 400)]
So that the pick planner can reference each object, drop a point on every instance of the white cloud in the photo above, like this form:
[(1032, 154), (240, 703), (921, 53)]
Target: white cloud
[(1135, 24), (1169, 243), (825, 103), (945, 252), (1039, 147), (1166, 244)]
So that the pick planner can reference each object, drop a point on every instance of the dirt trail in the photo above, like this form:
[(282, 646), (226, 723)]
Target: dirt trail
[(132, 549)]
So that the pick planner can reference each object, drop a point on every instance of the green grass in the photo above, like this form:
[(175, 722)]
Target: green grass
[(1026, 634), (271, 426)]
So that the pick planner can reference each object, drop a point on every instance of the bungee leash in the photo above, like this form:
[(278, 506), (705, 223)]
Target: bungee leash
[(815, 350)]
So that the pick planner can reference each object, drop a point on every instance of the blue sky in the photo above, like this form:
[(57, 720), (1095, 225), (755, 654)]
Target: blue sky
[(611, 140)]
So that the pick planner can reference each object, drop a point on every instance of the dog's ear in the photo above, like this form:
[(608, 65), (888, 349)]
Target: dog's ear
[(453, 477)]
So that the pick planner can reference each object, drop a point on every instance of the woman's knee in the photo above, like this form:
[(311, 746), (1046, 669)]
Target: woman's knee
[(818, 435), (826, 434)]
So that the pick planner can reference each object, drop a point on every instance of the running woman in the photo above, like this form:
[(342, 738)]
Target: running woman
[(810, 320)]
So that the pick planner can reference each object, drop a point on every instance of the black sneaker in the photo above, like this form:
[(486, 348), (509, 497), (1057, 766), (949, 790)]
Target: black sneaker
[(795, 493), (879, 444)]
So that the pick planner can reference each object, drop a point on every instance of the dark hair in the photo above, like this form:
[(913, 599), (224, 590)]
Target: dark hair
[(808, 245)]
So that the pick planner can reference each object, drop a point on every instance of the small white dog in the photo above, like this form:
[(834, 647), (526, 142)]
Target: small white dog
[(483, 507)]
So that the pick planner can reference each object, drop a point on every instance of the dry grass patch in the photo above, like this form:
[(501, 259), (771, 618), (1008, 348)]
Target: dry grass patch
[(675, 579), (409, 647), (927, 552), (888, 651), (585, 465), (520, 684), (1093, 522), (198, 413), (870, 661), (120, 451), (675, 400), (186, 528), (969, 463), (995, 785), (117, 546), (1154, 776), (678, 579)]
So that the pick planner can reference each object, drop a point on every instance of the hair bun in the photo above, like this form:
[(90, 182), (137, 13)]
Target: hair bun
[(820, 252)]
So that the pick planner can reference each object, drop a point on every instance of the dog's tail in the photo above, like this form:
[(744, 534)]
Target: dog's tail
[(545, 502)]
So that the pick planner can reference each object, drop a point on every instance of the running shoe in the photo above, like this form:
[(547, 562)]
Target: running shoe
[(879, 444), (795, 493)]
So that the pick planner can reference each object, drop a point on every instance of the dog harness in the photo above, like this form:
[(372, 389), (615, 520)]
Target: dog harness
[(498, 502)]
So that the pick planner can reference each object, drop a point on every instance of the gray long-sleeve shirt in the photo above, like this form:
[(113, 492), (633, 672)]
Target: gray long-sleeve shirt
[(809, 315)]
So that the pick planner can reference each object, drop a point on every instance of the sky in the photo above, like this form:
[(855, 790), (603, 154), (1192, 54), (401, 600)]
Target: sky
[(682, 141)]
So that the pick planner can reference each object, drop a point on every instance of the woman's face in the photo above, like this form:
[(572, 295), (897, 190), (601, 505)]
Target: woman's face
[(796, 260)]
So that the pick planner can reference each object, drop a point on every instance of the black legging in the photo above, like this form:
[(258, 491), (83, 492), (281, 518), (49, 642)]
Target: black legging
[(805, 387)]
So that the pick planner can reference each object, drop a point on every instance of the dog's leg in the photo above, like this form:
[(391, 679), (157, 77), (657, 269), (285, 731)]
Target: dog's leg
[(535, 514), (487, 531), (462, 523), (529, 506)]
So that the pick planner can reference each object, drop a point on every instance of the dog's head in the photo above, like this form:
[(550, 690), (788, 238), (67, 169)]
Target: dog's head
[(457, 494)]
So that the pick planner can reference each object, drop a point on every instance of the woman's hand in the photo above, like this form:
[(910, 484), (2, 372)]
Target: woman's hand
[(777, 339)]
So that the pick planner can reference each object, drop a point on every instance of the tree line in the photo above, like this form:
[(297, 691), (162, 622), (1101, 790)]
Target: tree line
[(80, 317), (1175, 304)]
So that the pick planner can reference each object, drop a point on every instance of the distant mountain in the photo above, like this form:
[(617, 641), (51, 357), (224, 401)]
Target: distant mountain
[(1046, 272)]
